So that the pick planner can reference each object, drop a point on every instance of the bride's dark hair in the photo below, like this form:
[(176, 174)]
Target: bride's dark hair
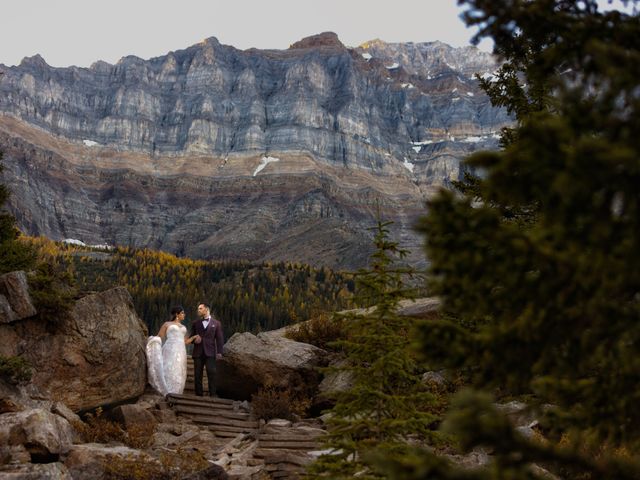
[(175, 311)]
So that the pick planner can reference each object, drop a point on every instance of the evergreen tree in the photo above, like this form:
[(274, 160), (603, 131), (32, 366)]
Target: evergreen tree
[(549, 307), (387, 402)]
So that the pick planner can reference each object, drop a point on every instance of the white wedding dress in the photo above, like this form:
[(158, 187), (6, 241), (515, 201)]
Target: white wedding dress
[(168, 363)]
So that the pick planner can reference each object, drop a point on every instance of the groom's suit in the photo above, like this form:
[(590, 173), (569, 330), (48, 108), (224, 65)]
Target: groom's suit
[(204, 353)]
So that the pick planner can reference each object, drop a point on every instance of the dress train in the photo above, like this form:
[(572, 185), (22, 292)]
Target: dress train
[(167, 364)]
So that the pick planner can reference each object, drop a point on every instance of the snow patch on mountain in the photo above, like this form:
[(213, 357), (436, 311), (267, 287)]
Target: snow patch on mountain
[(263, 163)]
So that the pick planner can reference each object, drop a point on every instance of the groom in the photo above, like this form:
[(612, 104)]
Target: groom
[(207, 348)]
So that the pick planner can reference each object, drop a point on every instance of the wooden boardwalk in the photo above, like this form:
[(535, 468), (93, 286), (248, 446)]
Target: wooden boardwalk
[(282, 451), (215, 413)]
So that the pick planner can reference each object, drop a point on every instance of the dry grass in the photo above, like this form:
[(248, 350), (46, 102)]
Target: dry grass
[(140, 435), (273, 402), (96, 428), (133, 468), (170, 466)]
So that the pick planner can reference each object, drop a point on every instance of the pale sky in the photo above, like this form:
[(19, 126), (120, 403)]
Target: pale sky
[(79, 32)]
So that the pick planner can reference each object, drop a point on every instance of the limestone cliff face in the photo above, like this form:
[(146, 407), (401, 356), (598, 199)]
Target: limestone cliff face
[(260, 154)]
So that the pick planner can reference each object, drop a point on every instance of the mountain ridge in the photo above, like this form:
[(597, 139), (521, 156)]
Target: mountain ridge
[(392, 119)]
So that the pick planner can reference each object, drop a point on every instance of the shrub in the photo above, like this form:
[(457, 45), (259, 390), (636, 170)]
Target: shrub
[(15, 369), (320, 331), (276, 402)]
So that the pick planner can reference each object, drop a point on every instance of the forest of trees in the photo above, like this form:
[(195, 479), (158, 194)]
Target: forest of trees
[(245, 296)]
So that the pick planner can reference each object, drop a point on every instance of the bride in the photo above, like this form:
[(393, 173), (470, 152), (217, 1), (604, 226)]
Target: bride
[(168, 363)]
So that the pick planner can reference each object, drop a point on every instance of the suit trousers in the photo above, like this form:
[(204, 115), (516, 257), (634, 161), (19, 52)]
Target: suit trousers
[(199, 364)]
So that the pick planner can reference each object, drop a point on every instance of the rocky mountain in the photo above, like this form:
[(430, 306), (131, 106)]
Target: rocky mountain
[(214, 152)]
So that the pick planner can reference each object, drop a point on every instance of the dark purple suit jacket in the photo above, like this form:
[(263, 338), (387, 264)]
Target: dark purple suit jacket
[(212, 338)]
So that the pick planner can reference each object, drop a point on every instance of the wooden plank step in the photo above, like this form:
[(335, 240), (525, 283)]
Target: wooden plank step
[(297, 458), (211, 412), (228, 429), (216, 399), (193, 397), (190, 389), (263, 453), (213, 415), (204, 398), (225, 434), (288, 438), (213, 420), (290, 445), (207, 405), (190, 385), (223, 421), (206, 408)]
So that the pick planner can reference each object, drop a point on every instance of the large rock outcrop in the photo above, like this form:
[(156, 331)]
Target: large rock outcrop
[(213, 152), (90, 357), (44, 435), (15, 299), (254, 361)]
